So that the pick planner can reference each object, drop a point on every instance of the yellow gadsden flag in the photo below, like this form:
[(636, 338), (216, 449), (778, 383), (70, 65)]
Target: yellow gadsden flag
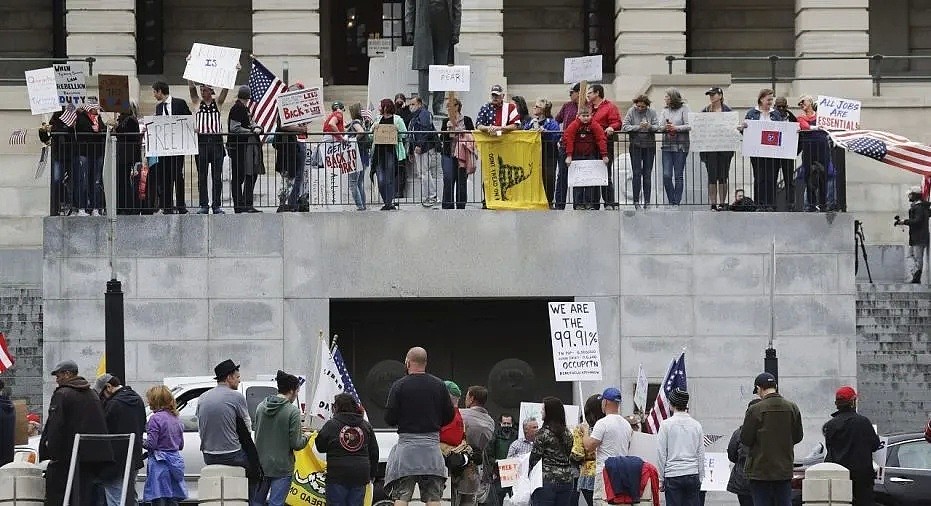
[(512, 170)]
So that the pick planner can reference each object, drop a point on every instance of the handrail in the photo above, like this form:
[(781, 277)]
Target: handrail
[(876, 75)]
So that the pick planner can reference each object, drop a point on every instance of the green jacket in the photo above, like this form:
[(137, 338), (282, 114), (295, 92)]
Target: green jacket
[(771, 429), (278, 435), (400, 149)]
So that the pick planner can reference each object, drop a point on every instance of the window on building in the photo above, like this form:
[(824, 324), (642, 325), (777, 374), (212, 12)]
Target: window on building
[(30, 30), (599, 31)]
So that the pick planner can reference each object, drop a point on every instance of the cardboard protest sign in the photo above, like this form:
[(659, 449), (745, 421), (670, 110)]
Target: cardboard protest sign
[(213, 65), (717, 472), (300, 106), (43, 92), (587, 173), (838, 113), (574, 333), (771, 139), (449, 77), (534, 410), (21, 428), (170, 136), (72, 88), (386, 134), (586, 68), (114, 92), (713, 131), (342, 157)]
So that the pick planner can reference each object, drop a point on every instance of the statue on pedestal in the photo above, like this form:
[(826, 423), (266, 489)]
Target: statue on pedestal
[(433, 27)]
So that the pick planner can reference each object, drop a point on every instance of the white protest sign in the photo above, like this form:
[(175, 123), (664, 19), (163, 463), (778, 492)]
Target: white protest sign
[(838, 113), (72, 87), (585, 68), (588, 173), (713, 131), (170, 135), (717, 472), (449, 77), (509, 470), (378, 48), (300, 106), (43, 92), (342, 157), (574, 332), (325, 186), (771, 139), (534, 410), (643, 445), (213, 65)]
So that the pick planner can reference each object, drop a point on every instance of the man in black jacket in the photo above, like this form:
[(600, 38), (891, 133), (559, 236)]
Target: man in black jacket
[(851, 441), (125, 414), (74, 409), (918, 237), (171, 168), (351, 452)]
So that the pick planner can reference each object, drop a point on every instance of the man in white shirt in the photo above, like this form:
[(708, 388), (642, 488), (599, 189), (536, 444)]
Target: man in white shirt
[(681, 452), (610, 437)]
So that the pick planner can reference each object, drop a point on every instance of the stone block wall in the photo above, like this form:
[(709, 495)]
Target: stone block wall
[(21, 322)]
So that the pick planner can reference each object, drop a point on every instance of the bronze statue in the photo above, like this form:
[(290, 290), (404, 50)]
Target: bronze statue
[(433, 27)]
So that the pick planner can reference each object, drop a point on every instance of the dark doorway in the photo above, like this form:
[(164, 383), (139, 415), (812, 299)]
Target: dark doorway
[(503, 344), (352, 23)]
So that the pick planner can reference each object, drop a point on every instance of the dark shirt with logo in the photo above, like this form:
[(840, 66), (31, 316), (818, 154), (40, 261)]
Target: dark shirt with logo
[(351, 449)]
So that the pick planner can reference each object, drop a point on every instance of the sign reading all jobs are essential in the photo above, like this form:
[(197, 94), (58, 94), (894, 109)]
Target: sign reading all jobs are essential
[(838, 113), (574, 333)]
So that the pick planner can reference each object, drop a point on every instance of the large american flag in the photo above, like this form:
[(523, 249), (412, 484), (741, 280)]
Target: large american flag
[(675, 378), (888, 148), (6, 358), (264, 88), (348, 386)]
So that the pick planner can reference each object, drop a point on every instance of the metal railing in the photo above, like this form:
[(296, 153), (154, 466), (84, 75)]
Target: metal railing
[(428, 180), (89, 60), (876, 68)]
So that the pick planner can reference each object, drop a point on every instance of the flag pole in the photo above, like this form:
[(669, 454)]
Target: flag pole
[(770, 361)]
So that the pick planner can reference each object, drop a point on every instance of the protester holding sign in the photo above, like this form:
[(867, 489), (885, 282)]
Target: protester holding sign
[(210, 145), (585, 140), (59, 134), (171, 168), (92, 137), (818, 171), (357, 129), (717, 163), (764, 169), (606, 114), (641, 124), (385, 157), (245, 149), (674, 120)]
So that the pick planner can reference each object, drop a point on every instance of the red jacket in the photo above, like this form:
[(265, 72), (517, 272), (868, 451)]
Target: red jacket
[(585, 140), (648, 476), (806, 122), (607, 115), (454, 432)]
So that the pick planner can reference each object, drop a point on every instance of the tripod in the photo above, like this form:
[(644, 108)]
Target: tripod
[(859, 240)]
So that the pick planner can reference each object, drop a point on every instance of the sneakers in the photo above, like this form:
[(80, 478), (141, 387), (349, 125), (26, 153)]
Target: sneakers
[(82, 212), (429, 202), (219, 211), (203, 210), (95, 213)]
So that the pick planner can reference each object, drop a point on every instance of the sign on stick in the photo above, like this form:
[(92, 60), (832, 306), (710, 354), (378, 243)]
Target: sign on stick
[(574, 333), (449, 77), (585, 68), (300, 106)]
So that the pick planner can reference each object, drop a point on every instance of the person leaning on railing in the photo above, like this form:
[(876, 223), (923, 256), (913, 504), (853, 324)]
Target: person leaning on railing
[(60, 137), (641, 124), (386, 157), (92, 137), (717, 163), (765, 170), (128, 160), (818, 171), (357, 129), (542, 121), (606, 114), (674, 120), (245, 148), (458, 154)]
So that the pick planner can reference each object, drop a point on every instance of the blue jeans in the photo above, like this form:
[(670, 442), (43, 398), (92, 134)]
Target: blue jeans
[(641, 160), (455, 191), (386, 170), (357, 186), (553, 494), (683, 490), (114, 487), (771, 493), (343, 495), (674, 175), (276, 489)]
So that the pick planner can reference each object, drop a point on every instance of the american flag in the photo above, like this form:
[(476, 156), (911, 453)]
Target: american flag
[(264, 88), (69, 116), (710, 439), (348, 386), (18, 137), (675, 378), (368, 115), (889, 148), (6, 358)]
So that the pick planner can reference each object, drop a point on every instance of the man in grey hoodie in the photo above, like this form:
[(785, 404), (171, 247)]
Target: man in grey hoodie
[(278, 435), (479, 429)]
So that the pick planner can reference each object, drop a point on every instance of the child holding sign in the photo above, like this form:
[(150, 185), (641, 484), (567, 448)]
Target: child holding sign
[(585, 140)]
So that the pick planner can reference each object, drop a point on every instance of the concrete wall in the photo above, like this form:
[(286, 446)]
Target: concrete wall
[(257, 288), (21, 321)]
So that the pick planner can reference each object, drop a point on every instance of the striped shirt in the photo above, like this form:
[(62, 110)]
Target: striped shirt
[(208, 118), (519, 447)]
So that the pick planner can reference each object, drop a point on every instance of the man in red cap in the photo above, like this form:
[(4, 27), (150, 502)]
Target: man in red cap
[(851, 441)]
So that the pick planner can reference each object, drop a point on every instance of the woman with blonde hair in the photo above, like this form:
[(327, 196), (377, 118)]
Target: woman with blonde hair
[(164, 484)]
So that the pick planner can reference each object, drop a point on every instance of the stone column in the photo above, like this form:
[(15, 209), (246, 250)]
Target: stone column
[(832, 28), (105, 30), (482, 36), (645, 32), (288, 30)]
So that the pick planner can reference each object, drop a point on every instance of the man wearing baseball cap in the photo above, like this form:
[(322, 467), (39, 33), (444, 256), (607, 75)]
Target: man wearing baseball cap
[(498, 115), (771, 429), (610, 437), (851, 441)]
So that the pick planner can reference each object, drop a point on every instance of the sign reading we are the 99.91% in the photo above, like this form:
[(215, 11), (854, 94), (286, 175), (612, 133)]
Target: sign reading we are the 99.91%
[(574, 333)]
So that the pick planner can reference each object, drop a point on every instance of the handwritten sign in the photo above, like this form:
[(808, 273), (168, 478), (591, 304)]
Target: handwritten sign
[(114, 92), (771, 139), (574, 332), (713, 131), (586, 68), (838, 113), (509, 470), (170, 136), (717, 472), (213, 65), (534, 410), (300, 106), (342, 157), (43, 92), (386, 135), (72, 88), (588, 173), (324, 185), (449, 77), (378, 48)]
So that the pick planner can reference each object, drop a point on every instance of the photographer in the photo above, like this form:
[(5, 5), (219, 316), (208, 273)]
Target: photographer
[(917, 223)]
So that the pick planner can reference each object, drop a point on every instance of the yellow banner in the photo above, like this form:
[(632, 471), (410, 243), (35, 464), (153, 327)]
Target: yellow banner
[(308, 485), (512, 170)]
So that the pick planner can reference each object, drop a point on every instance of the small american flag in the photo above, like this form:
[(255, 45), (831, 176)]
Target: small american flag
[(6, 358), (264, 88), (69, 116), (18, 136), (348, 386), (710, 439), (675, 378)]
